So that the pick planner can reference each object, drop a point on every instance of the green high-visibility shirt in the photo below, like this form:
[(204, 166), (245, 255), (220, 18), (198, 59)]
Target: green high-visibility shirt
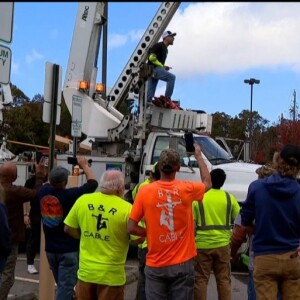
[(142, 222), (213, 218), (104, 240)]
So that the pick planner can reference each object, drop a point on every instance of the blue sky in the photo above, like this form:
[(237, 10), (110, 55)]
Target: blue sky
[(217, 46)]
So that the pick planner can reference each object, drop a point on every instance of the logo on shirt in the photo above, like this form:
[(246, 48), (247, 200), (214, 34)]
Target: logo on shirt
[(167, 215), (101, 222), (52, 211)]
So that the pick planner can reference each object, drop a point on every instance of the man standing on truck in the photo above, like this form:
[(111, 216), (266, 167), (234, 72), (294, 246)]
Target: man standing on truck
[(166, 206), (157, 57), (213, 217)]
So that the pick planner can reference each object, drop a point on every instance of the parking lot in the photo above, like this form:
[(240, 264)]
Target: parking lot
[(26, 286)]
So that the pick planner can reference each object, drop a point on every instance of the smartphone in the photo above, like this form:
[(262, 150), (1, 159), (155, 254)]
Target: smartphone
[(189, 142), (72, 160)]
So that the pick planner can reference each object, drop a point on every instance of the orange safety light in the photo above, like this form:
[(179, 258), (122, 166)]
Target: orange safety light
[(99, 88), (83, 85)]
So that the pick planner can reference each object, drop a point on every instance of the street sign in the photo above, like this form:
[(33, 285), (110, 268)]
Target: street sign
[(6, 21), (76, 129), (5, 64), (76, 116), (76, 108), (48, 87), (52, 93), (47, 113)]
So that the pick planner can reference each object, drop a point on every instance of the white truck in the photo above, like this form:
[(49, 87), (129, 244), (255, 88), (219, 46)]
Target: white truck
[(133, 143)]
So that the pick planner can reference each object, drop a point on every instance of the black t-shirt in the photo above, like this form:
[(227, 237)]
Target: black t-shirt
[(161, 51), (34, 204)]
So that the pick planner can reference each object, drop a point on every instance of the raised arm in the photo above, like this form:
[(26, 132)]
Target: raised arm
[(204, 173)]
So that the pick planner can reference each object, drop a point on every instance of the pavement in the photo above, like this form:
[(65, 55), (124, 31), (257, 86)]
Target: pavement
[(26, 286)]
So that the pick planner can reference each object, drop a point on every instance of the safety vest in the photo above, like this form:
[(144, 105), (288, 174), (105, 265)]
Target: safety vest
[(213, 219), (227, 224)]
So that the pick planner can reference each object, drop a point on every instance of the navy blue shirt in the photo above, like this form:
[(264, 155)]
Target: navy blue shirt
[(55, 204), (273, 203)]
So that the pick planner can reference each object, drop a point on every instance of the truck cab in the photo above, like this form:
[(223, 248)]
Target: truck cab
[(238, 174)]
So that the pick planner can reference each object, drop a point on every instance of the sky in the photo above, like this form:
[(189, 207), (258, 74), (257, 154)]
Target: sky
[(217, 46)]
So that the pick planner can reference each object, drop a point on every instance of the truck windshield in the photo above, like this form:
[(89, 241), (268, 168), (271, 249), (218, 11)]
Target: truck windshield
[(212, 150)]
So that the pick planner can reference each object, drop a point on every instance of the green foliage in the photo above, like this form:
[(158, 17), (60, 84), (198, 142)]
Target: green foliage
[(26, 126), (22, 122), (221, 124)]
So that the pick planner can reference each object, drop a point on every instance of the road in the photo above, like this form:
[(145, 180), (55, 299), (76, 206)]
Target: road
[(26, 286)]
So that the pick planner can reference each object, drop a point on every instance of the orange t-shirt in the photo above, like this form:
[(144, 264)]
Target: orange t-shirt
[(167, 209)]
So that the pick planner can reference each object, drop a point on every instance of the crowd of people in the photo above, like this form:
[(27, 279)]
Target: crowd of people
[(184, 229)]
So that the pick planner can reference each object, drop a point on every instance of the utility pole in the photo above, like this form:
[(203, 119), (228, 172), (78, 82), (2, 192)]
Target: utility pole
[(251, 82), (294, 106)]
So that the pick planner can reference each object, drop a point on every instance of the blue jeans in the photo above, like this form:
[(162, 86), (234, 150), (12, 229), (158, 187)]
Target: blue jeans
[(140, 290), (173, 282), (251, 287), (64, 267), (160, 73)]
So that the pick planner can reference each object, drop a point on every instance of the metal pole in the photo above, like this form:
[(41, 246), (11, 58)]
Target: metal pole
[(53, 114), (104, 51), (251, 81), (251, 124), (294, 107), (46, 285)]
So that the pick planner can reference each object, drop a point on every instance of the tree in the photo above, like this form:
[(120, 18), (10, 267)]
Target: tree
[(221, 124), (288, 132), (25, 125), (18, 96), (38, 98)]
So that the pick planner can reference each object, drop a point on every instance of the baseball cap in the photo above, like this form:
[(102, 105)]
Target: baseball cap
[(168, 33), (169, 159), (58, 175), (291, 155)]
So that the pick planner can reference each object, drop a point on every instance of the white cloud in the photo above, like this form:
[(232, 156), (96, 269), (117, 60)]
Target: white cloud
[(136, 35), (119, 40), (116, 40), (15, 68), (33, 56), (216, 38)]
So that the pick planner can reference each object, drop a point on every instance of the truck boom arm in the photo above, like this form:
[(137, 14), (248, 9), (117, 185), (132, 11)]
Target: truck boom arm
[(82, 66), (151, 36)]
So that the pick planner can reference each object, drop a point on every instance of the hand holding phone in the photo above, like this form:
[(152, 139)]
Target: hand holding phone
[(189, 142), (72, 160)]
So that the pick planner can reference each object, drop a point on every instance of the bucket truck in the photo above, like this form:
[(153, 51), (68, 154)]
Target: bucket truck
[(133, 144)]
